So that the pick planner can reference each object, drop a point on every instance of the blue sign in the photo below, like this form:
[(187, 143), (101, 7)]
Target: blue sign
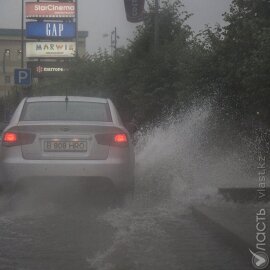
[(22, 76), (50, 30)]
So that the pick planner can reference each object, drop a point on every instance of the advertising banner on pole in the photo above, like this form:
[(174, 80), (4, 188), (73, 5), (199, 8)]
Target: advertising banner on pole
[(50, 30), (134, 10), (48, 69), (50, 10), (49, 49)]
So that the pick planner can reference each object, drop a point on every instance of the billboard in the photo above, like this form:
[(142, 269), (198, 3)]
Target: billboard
[(47, 69), (51, 10), (50, 30), (49, 49), (134, 10)]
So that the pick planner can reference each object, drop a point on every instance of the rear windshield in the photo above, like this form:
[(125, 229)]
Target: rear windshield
[(66, 111)]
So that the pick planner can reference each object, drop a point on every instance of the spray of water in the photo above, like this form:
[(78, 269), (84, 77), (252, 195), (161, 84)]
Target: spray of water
[(177, 166), (173, 171), (165, 157)]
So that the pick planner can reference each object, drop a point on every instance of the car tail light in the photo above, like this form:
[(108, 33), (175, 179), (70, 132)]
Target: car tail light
[(119, 139), (11, 138)]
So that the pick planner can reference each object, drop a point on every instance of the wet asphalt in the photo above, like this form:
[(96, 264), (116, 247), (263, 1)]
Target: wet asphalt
[(39, 231)]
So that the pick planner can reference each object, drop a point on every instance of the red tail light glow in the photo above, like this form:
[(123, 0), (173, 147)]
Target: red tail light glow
[(10, 137), (120, 138)]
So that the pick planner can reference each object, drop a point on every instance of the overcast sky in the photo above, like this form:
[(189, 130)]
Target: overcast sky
[(99, 17)]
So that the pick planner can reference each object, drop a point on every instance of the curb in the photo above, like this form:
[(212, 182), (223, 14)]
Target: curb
[(228, 237), (243, 195)]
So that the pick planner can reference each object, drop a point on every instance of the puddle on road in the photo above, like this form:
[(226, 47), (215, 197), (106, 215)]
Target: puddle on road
[(172, 172)]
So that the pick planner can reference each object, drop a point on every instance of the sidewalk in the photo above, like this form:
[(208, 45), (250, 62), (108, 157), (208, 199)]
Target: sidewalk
[(235, 223)]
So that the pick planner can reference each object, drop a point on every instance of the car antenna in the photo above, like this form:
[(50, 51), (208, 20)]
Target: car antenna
[(66, 99)]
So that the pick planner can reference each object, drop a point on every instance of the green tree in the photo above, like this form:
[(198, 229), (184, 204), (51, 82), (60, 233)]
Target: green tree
[(240, 58), (154, 79), (142, 80)]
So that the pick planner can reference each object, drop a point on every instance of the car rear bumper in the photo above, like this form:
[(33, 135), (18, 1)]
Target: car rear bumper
[(120, 174)]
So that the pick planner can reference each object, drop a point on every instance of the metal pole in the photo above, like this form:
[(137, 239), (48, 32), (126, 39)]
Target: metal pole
[(111, 43), (115, 39), (156, 42), (77, 27), (4, 63), (22, 36)]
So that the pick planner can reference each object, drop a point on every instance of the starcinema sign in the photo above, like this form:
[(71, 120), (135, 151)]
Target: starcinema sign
[(47, 69), (50, 49), (50, 10)]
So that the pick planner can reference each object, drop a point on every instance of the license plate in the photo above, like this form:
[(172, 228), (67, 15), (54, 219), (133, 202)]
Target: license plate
[(65, 146)]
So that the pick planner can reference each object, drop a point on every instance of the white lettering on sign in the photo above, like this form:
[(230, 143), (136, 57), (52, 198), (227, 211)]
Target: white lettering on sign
[(41, 69), (22, 76), (54, 8), (54, 30), (52, 69)]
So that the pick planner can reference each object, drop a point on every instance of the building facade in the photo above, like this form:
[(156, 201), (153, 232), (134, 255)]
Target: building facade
[(10, 55)]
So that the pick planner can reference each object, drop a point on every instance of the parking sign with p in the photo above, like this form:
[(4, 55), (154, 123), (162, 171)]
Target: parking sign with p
[(22, 76)]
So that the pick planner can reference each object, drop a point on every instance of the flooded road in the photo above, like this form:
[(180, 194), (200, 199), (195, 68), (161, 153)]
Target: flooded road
[(50, 229), (95, 237), (53, 240)]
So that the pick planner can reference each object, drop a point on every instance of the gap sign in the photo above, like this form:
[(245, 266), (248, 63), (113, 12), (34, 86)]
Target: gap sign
[(50, 30)]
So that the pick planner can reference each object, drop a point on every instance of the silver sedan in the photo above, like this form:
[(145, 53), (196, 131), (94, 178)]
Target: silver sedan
[(67, 137)]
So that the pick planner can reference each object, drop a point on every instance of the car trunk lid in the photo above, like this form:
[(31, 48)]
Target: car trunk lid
[(65, 141)]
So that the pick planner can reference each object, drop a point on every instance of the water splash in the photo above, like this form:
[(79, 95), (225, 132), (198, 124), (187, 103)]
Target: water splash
[(169, 158), (168, 155)]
